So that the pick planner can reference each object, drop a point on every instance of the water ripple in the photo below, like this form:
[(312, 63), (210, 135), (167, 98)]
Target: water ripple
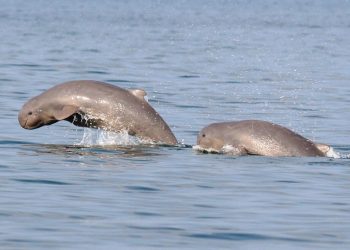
[(142, 188), (26, 65), (147, 214), (242, 237), (98, 72), (157, 228), (117, 81), (189, 76), (42, 181)]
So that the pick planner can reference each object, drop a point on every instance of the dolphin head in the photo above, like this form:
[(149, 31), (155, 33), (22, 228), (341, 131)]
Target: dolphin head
[(45, 109), (34, 115), (210, 138)]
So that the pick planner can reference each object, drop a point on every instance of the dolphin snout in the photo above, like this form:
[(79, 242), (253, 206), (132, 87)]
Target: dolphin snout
[(22, 119), (25, 124), (28, 120)]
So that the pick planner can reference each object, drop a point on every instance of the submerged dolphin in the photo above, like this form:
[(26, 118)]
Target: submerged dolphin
[(257, 138), (97, 105)]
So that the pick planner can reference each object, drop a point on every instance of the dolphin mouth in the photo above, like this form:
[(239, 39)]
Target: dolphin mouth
[(35, 127), (25, 124), (38, 125)]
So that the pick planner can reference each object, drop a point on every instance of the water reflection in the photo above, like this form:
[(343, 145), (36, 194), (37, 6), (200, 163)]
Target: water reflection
[(102, 152)]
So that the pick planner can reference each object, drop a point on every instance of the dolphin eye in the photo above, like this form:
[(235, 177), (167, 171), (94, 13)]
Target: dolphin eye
[(30, 113), (203, 135)]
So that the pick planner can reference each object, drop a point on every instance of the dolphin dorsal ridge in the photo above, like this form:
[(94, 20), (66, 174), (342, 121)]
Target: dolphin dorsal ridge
[(139, 93)]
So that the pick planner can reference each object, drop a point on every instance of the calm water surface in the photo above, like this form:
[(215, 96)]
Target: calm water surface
[(200, 62)]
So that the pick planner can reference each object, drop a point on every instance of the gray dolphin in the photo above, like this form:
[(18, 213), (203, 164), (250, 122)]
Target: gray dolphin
[(97, 105), (255, 137)]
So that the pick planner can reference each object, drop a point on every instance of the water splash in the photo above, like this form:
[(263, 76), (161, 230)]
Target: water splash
[(331, 153), (344, 156), (99, 137), (206, 150)]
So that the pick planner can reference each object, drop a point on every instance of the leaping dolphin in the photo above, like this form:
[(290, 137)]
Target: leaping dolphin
[(96, 104)]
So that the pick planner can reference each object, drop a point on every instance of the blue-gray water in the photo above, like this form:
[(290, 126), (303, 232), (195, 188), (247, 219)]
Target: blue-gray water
[(200, 62)]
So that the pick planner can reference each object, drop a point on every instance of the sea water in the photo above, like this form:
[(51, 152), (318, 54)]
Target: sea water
[(64, 187)]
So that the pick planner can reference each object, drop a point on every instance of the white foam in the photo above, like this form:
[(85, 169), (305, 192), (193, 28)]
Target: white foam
[(99, 137), (333, 154), (229, 149), (209, 150)]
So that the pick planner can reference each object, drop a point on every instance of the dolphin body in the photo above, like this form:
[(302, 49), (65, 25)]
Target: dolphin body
[(96, 104), (254, 137)]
